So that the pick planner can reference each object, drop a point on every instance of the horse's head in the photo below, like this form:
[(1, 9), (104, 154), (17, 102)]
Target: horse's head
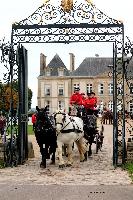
[(41, 114), (59, 118), (43, 120)]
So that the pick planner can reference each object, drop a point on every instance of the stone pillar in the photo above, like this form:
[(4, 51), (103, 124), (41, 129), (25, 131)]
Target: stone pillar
[(30, 150), (130, 150)]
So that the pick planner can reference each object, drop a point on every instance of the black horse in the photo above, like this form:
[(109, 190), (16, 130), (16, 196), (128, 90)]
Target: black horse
[(91, 133), (46, 136)]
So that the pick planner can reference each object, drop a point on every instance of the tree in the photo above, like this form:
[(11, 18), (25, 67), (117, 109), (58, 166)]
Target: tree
[(6, 92)]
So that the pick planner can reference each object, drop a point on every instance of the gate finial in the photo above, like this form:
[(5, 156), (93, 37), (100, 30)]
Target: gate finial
[(45, 1), (67, 5), (89, 1)]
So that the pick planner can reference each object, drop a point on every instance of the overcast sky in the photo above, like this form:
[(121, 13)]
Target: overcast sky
[(16, 10)]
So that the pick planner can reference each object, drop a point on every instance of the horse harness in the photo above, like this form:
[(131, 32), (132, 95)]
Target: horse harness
[(74, 129)]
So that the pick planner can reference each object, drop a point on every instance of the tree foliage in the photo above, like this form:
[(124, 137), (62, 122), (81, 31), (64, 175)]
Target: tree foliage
[(6, 92)]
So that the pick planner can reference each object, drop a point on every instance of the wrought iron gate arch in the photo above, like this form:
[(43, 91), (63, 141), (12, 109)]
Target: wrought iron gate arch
[(81, 22)]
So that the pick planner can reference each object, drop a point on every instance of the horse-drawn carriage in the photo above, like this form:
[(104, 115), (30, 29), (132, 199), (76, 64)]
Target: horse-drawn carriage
[(92, 133), (67, 130)]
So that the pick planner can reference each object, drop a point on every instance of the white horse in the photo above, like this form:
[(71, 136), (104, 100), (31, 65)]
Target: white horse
[(69, 129)]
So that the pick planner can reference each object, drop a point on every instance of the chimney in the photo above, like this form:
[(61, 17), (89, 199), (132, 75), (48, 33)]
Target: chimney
[(72, 62), (42, 63)]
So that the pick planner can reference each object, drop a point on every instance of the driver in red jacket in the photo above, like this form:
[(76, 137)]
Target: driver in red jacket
[(90, 103), (76, 100)]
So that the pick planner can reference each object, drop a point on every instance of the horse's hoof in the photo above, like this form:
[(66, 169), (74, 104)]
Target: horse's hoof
[(61, 166), (85, 155), (68, 165), (89, 153), (82, 160), (42, 166), (52, 163)]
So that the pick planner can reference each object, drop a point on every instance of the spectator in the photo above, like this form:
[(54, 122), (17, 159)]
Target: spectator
[(2, 124), (33, 118)]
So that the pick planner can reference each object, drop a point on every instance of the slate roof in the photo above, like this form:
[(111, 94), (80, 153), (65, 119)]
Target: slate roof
[(93, 66), (55, 64)]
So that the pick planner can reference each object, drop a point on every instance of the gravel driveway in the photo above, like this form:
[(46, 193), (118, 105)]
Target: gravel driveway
[(98, 170)]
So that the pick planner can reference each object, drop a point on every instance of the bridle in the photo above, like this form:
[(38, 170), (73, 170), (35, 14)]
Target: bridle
[(60, 113), (63, 120)]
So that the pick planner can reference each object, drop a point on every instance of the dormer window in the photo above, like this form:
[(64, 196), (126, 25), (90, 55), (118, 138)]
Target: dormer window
[(48, 72), (61, 72)]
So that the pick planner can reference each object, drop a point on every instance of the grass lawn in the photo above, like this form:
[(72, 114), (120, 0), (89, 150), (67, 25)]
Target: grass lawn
[(30, 131), (129, 168)]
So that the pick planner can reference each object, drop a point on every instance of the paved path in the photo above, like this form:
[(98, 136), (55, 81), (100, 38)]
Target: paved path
[(57, 192), (98, 170), (94, 179)]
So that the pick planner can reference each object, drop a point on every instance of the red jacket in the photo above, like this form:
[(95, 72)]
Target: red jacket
[(76, 98), (33, 118), (90, 103)]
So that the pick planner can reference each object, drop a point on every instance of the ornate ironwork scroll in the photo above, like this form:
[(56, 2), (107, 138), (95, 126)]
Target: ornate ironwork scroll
[(128, 55), (80, 22), (9, 100), (51, 23)]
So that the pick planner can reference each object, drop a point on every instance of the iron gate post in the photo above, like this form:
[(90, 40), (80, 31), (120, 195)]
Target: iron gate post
[(115, 128), (23, 104)]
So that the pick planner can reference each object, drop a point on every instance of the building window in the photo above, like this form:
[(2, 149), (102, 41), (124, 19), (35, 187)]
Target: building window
[(89, 88), (47, 90), (110, 105), (60, 90), (61, 72), (119, 89), (100, 88), (61, 105), (76, 85), (131, 88), (110, 88), (47, 103), (101, 106), (48, 72)]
